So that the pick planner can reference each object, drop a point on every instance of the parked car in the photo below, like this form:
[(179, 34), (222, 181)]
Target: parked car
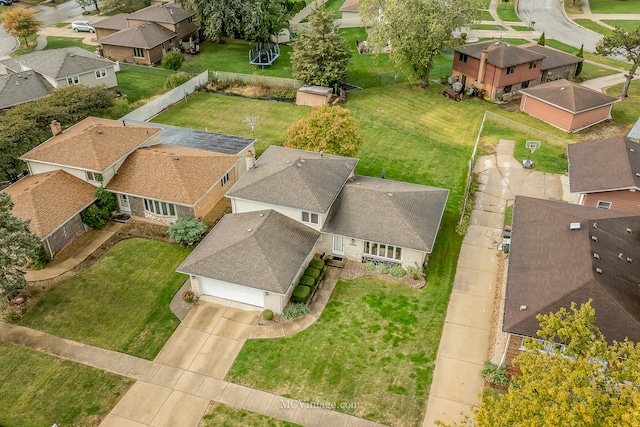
[(6, 2), (83, 26)]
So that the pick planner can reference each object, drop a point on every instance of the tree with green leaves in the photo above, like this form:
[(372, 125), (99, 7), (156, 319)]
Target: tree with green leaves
[(584, 382), (18, 248), (580, 55), (172, 60), (320, 54), (20, 23), (187, 230), (86, 3), (416, 31), (329, 129), (98, 214), (622, 43), (124, 6), (541, 39)]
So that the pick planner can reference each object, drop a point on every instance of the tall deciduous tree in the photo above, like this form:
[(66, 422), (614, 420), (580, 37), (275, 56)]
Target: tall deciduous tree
[(86, 3), (416, 31), (124, 6), (20, 23), (623, 43), (18, 247), (320, 55), (329, 129), (588, 383)]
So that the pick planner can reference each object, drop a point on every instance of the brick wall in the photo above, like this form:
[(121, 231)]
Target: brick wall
[(65, 234)]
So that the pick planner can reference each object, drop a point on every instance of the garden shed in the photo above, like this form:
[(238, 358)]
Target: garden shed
[(313, 96)]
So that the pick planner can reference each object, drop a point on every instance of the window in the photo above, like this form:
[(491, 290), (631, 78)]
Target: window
[(225, 179), (533, 64), (507, 89), (73, 80), (138, 52), (190, 19), (524, 85), (383, 251), (511, 70), (463, 57), (159, 208), (604, 205), (310, 218), (101, 73), (94, 176)]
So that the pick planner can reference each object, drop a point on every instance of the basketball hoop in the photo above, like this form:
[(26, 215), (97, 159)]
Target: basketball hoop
[(252, 121), (532, 146)]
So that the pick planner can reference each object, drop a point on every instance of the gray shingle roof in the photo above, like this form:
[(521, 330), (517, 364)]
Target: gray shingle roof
[(58, 63), (569, 96), (170, 13), (146, 36), (391, 212), (634, 133), (115, 22), (501, 54), (553, 57), (23, 87), (295, 178), (262, 249), (551, 266), (601, 165)]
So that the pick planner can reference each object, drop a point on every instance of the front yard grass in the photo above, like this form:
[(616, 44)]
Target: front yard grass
[(625, 24), (626, 111), (120, 303), (610, 6), (220, 415), (60, 42), (593, 26), (593, 71), (506, 12), (38, 390), (588, 55)]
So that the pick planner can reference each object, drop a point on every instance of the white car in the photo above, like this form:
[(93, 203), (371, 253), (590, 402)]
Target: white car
[(83, 26)]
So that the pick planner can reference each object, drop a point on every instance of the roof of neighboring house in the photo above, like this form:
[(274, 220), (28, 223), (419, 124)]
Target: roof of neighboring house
[(202, 140), (295, 178), (49, 200), (551, 266), (634, 133), (93, 144), (391, 212), (22, 87), (171, 173), (261, 249), (170, 13), (58, 63), (553, 58), (147, 36), (350, 6), (604, 165), (115, 22), (569, 96), (500, 54)]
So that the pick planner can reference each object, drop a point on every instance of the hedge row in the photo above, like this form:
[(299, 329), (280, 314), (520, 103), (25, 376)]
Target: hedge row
[(301, 294)]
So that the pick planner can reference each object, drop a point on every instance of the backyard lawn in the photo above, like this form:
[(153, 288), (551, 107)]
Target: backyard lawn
[(625, 24), (220, 415), (120, 303), (139, 83), (626, 111), (38, 390), (614, 6)]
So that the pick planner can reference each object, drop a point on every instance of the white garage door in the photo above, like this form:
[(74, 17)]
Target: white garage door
[(232, 292)]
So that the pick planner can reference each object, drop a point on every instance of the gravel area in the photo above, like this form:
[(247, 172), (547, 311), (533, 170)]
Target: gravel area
[(354, 270), (498, 339)]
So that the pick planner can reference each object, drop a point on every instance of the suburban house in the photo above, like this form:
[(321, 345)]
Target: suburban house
[(606, 173), (289, 191), (151, 177), (566, 105), (500, 69), (143, 37), (562, 253), (33, 75), (634, 133)]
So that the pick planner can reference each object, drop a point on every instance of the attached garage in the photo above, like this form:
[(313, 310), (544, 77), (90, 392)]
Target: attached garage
[(232, 291)]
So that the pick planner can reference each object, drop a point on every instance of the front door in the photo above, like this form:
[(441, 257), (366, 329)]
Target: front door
[(123, 201), (338, 245)]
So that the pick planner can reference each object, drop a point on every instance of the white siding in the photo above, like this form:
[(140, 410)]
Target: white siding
[(89, 79), (239, 206), (36, 168), (231, 291)]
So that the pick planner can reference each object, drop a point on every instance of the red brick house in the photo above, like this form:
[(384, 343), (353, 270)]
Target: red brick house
[(566, 105), (606, 173)]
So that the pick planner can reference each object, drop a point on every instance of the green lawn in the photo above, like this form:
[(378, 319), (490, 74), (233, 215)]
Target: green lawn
[(485, 15), (37, 390), (614, 6), (120, 303), (521, 28), (507, 13), (220, 415), (588, 55), (493, 27), (628, 25), (59, 42), (140, 83), (626, 111), (592, 71), (593, 26), (26, 48), (334, 6)]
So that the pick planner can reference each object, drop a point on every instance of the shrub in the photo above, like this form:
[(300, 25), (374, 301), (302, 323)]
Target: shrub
[(296, 310), (415, 272), (495, 374), (308, 281), (97, 215), (187, 230), (317, 263), (42, 259), (301, 294), (172, 60), (188, 296), (175, 80), (369, 266), (382, 268), (397, 271), (312, 272), (267, 314)]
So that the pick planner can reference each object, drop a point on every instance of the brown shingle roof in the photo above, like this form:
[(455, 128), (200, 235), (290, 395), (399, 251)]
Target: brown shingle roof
[(261, 249), (171, 173), (115, 22), (295, 178), (602, 165), (391, 212), (553, 58), (500, 54), (551, 266), (49, 200), (569, 96), (92, 144), (350, 6), (170, 13), (146, 36)]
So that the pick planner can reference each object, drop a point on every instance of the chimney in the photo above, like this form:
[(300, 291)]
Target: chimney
[(56, 128), (483, 68), (250, 160)]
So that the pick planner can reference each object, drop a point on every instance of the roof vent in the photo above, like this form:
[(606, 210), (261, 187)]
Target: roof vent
[(288, 161), (595, 225), (176, 158), (377, 186), (594, 238), (99, 131), (523, 307), (637, 174), (249, 230), (632, 150), (562, 88), (261, 215), (496, 44), (620, 255), (628, 230), (574, 226), (390, 194), (301, 160), (599, 270), (596, 256), (629, 259), (299, 165)]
